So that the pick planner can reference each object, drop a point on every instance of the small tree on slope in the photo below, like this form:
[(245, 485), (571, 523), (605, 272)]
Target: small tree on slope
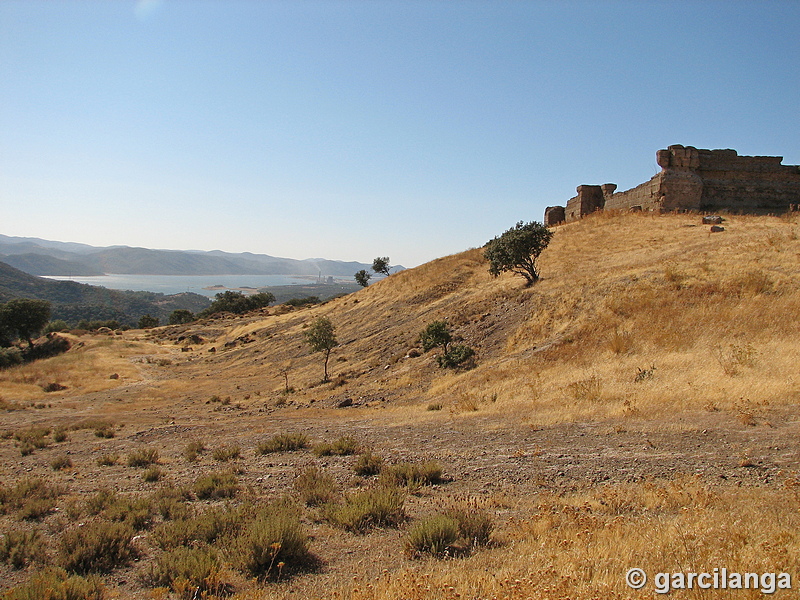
[(517, 250)]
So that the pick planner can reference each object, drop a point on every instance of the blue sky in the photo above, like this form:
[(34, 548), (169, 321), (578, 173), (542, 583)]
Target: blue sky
[(355, 129)]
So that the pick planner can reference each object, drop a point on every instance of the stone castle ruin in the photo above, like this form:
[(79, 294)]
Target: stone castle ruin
[(700, 180)]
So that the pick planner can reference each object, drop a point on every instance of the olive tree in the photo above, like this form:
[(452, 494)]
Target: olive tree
[(381, 265), (321, 337), (517, 250), (362, 278)]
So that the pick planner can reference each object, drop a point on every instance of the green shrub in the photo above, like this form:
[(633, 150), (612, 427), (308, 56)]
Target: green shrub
[(10, 357), (190, 573), (142, 458), (434, 535), (99, 546), (283, 442), (56, 584), (315, 487), (226, 453), (412, 474), (214, 486), (368, 464), (377, 507), (273, 544), (21, 548), (60, 435), (344, 446), (457, 356)]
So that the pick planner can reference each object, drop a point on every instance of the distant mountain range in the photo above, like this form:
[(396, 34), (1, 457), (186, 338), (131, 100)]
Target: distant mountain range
[(44, 257)]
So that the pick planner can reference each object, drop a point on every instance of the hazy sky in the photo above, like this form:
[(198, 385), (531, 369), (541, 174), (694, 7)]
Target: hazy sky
[(353, 129)]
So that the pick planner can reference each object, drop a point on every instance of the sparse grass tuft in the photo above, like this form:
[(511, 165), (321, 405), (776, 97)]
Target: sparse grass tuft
[(152, 474), (107, 460), (284, 442)]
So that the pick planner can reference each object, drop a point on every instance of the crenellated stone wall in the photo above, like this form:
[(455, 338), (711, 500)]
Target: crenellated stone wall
[(692, 179)]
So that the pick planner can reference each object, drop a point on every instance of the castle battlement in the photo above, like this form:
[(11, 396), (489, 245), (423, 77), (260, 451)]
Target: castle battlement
[(695, 179)]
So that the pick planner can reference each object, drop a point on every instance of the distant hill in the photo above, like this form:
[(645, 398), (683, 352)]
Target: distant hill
[(44, 257), (74, 302)]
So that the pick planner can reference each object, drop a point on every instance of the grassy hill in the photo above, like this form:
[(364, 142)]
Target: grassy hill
[(635, 408)]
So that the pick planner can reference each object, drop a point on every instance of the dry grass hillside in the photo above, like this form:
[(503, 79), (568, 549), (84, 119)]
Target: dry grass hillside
[(635, 408)]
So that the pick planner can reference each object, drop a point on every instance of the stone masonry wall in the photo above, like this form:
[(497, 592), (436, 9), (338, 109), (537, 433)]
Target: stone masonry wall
[(692, 179)]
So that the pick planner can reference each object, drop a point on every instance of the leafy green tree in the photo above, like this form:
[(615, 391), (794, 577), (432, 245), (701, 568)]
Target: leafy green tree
[(381, 265), (260, 300), (181, 316), (517, 250), (362, 278), (146, 322), (321, 337), (237, 302), (435, 334), (24, 318)]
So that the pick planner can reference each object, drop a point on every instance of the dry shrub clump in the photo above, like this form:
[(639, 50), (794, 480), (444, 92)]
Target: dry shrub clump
[(99, 546), (191, 573), (56, 584), (30, 499), (226, 453), (283, 442), (315, 487), (142, 458), (412, 475), (381, 506), (21, 548), (343, 446), (273, 544), (368, 464), (216, 486)]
